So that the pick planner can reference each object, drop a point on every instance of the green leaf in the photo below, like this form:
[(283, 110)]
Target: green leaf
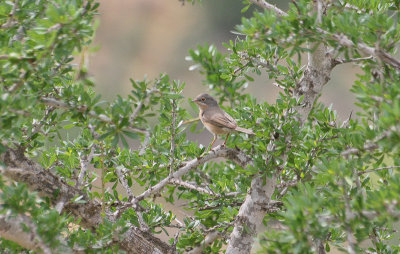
[(124, 142), (131, 135), (114, 142)]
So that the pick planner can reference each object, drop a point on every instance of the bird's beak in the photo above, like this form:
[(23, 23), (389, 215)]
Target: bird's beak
[(195, 100)]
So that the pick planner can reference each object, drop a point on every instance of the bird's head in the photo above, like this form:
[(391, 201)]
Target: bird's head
[(204, 101)]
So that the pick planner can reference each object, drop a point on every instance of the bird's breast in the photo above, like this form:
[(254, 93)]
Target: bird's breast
[(217, 130)]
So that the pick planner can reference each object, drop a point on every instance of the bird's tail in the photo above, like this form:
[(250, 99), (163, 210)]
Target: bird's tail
[(247, 131)]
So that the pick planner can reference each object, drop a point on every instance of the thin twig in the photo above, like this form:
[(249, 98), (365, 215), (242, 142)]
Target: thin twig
[(10, 22), (370, 146), (370, 51), (235, 155), (266, 5), (346, 122), (376, 169), (190, 121), (145, 143), (172, 131), (84, 161), (84, 109), (209, 239), (18, 84), (351, 60), (341, 38), (191, 186), (135, 113), (124, 183)]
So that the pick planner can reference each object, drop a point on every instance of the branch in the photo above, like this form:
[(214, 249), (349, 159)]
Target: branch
[(84, 109), (10, 22), (341, 39), (189, 121), (145, 143), (376, 169), (364, 48), (20, 82), (370, 146), (84, 161), (195, 187), (191, 186), (54, 27), (172, 131), (268, 6), (236, 156), (124, 183), (11, 229), (320, 244), (141, 104), (251, 213), (208, 240), (350, 235), (351, 60), (131, 197), (21, 169)]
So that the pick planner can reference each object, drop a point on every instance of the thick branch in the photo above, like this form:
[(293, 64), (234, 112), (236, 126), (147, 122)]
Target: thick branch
[(47, 184), (350, 235), (21, 169), (251, 214), (11, 229), (252, 211)]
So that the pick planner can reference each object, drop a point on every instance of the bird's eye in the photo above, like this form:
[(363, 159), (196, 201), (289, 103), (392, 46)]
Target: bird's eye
[(203, 99)]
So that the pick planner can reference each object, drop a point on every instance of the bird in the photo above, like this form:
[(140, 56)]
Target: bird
[(216, 120)]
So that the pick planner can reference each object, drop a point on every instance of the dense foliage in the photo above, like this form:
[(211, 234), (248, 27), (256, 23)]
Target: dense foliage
[(337, 184)]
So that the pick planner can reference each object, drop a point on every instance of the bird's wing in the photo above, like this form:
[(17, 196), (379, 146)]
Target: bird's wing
[(220, 119)]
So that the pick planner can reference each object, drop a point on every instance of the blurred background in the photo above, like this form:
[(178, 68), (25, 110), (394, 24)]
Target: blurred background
[(140, 39)]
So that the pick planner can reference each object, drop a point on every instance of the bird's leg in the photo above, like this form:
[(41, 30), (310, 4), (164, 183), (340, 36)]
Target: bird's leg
[(227, 136), (212, 143), (209, 146)]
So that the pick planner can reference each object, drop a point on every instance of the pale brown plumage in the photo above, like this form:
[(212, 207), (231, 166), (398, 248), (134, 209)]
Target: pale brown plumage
[(215, 119)]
